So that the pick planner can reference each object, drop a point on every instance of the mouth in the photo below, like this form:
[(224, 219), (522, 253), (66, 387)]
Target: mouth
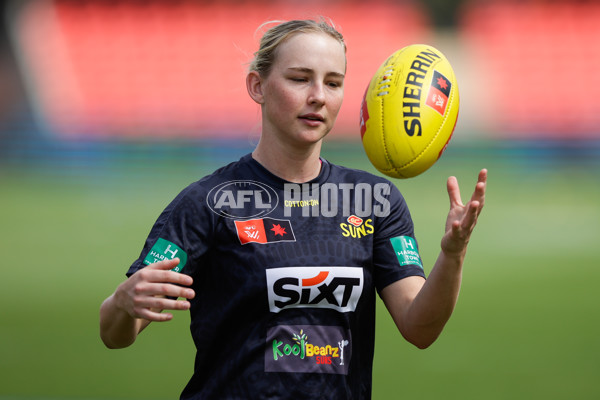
[(312, 117)]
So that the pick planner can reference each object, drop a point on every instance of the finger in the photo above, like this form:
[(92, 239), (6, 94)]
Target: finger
[(453, 192), (456, 229), (165, 264), (164, 289), (483, 175), (157, 276), (480, 188), (163, 303), (172, 277), (151, 308), (470, 218), (153, 315), (162, 272), (479, 192)]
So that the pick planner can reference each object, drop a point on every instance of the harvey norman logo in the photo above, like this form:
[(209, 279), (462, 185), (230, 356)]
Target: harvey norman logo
[(337, 288)]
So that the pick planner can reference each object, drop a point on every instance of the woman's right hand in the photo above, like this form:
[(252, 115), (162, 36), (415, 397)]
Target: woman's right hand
[(153, 289), (140, 300)]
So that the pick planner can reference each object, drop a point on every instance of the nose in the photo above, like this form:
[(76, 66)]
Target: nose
[(317, 94)]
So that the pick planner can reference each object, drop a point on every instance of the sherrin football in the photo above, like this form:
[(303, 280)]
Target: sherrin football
[(409, 111)]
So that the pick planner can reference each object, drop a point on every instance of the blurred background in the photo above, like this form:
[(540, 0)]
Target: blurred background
[(109, 107)]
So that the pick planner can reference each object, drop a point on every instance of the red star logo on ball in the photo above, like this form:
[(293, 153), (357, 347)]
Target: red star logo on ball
[(442, 83)]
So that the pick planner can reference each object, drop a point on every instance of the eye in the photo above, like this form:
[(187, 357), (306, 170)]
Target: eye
[(298, 79), (334, 84)]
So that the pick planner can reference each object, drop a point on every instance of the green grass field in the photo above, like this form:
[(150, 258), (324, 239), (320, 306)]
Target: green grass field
[(526, 325)]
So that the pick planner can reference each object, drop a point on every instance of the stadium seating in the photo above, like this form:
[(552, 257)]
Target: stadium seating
[(156, 68), (540, 63)]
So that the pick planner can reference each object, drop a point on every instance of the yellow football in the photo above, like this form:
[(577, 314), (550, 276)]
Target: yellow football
[(409, 111)]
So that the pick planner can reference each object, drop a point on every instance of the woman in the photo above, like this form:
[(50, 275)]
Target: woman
[(280, 254)]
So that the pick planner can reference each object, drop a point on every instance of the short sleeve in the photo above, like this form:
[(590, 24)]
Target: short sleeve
[(395, 254), (182, 230)]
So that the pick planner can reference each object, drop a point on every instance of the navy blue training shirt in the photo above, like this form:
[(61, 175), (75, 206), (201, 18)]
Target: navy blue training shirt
[(285, 277)]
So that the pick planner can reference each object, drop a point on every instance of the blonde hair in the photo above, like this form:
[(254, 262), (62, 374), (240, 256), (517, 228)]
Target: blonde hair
[(273, 37)]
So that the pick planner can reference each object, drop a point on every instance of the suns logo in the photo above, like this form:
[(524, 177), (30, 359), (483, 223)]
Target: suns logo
[(356, 227)]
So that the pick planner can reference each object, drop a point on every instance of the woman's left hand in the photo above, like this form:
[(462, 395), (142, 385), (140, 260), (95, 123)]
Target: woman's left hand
[(462, 218)]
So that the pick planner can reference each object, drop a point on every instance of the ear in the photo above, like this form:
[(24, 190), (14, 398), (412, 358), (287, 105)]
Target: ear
[(254, 86)]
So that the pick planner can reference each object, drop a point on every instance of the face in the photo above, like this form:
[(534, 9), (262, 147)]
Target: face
[(303, 93)]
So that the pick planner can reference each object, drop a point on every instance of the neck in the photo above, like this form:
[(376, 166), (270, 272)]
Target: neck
[(291, 164)]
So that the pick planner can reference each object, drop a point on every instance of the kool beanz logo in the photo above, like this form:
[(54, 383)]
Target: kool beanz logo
[(308, 348), (242, 199)]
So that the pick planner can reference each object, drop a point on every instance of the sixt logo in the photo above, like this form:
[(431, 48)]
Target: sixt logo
[(242, 199), (337, 288), (357, 227)]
